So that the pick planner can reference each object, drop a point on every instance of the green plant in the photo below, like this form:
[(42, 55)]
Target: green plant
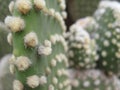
[(108, 36), (82, 48), (39, 59), (93, 80)]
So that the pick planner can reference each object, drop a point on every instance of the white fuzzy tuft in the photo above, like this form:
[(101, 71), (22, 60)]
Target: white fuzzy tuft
[(43, 80), (9, 38), (33, 81), (31, 39), (15, 23), (17, 85), (42, 50), (22, 63), (11, 6), (40, 4), (24, 6)]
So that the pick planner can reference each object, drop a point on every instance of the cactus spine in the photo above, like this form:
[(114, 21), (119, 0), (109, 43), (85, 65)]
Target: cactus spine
[(39, 59)]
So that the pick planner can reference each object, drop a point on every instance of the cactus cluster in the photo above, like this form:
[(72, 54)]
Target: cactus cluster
[(93, 80), (38, 59), (82, 48), (107, 36)]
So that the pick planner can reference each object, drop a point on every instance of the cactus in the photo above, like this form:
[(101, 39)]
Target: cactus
[(81, 8), (93, 80), (39, 59), (108, 36), (3, 41), (82, 48), (5, 76), (4, 9)]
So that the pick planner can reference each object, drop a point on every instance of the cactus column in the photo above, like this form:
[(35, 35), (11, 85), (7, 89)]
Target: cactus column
[(39, 59)]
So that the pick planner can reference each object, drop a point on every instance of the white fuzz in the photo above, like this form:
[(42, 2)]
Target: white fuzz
[(64, 14), (51, 87), (52, 11), (106, 43), (11, 6), (58, 17), (97, 82), (86, 84), (17, 85), (24, 6), (43, 80), (14, 23), (53, 39), (75, 83), (48, 70), (40, 4), (53, 62), (33, 81), (22, 63), (12, 68), (9, 38), (104, 53), (59, 73), (60, 86), (12, 59), (47, 43), (31, 39), (42, 50), (55, 80), (63, 6)]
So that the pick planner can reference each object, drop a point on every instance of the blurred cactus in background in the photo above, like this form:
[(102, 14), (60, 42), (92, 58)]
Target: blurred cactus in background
[(107, 36), (5, 76), (4, 9), (38, 59), (93, 80), (5, 48), (82, 48)]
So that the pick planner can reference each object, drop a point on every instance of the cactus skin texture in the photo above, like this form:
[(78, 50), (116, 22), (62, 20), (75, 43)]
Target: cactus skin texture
[(39, 59), (82, 49), (81, 8), (3, 41), (108, 36), (92, 80)]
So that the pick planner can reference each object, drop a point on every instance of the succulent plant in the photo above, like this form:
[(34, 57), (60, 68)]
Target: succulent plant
[(81, 8), (4, 9), (3, 41), (38, 59), (108, 36), (93, 80), (82, 48)]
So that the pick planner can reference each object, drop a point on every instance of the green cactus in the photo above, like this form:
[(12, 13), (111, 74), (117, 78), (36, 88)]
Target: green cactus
[(108, 36), (81, 8), (3, 41), (39, 59), (92, 80), (4, 9), (82, 49)]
